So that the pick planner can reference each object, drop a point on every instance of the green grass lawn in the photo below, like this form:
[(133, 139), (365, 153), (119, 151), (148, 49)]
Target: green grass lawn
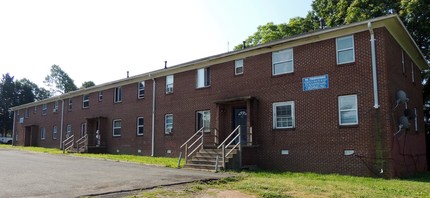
[(277, 184)]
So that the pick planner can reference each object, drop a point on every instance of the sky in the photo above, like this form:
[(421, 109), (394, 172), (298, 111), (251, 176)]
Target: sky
[(100, 40)]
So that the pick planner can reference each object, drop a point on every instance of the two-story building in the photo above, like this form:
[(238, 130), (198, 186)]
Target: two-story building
[(345, 100)]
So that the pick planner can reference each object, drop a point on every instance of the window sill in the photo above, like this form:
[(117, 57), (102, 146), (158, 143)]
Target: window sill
[(347, 126), (345, 64), (116, 136), (205, 87), (140, 98), (282, 74), (284, 129), (168, 134), (139, 135), (169, 93), (241, 74)]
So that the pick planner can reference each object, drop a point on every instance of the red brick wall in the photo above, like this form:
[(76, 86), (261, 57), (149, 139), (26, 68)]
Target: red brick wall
[(317, 142)]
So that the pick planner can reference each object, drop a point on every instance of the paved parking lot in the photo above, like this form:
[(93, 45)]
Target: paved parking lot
[(28, 174)]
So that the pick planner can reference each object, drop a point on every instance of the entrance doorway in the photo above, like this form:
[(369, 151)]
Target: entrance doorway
[(240, 118), (30, 136)]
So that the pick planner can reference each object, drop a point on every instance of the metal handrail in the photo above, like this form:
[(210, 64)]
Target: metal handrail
[(70, 140), (192, 137), (237, 128), (238, 144), (82, 140), (187, 147)]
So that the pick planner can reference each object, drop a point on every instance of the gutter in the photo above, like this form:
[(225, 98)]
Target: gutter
[(13, 128), (374, 71), (153, 118), (62, 123)]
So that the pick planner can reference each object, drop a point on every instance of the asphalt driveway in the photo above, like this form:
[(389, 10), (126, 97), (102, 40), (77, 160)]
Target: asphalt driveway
[(28, 174)]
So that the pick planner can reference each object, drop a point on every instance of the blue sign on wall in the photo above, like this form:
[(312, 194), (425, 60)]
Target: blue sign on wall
[(315, 83)]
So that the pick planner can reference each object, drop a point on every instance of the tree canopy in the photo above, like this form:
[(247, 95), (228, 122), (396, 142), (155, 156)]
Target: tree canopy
[(87, 84), (415, 14), (14, 93), (59, 81)]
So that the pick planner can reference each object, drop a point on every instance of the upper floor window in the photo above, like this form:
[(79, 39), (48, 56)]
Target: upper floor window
[(117, 95), (203, 77), (116, 128), (55, 106), (203, 120), (238, 67), (100, 95), (412, 72), (44, 108), (141, 89), (168, 124), (26, 114), (139, 125), (169, 84), (282, 62), (35, 109), (345, 49), (283, 115), (70, 104), (86, 101), (348, 113)]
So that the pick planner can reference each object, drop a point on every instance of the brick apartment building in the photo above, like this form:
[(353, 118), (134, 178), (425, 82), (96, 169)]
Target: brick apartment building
[(327, 101)]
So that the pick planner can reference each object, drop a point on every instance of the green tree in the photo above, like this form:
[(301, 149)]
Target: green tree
[(7, 100), (59, 81), (87, 84), (271, 31), (39, 93)]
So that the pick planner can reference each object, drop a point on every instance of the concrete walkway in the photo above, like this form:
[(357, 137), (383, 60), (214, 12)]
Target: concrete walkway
[(28, 174)]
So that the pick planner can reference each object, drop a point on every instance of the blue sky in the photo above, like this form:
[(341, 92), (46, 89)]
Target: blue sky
[(100, 40)]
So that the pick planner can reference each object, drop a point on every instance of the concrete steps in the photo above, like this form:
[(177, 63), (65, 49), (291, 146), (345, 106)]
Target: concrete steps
[(205, 159)]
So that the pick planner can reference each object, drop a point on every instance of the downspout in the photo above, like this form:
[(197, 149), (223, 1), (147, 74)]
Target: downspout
[(153, 118), (13, 128), (62, 122), (374, 71)]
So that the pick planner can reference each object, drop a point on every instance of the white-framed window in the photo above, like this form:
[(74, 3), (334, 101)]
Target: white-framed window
[(203, 77), (55, 106), (169, 84), (282, 62), (345, 50), (139, 125), (168, 124), (116, 127), (238, 67), (85, 101), (83, 129), (70, 105), (68, 130), (42, 133), (348, 111), (35, 109), (412, 72), (117, 95), (403, 63), (100, 96), (44, 109), (203, 119), (26, 114), (283, 115), (141, 90), (54, 132)]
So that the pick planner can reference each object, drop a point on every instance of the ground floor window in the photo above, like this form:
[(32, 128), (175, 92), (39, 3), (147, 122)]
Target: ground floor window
[(168, 124), (203, 119), (42, 133), (68, 130), (348, 112), (83, 129), (140, 124), (54, 132), (283, 115), (116, 127)]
